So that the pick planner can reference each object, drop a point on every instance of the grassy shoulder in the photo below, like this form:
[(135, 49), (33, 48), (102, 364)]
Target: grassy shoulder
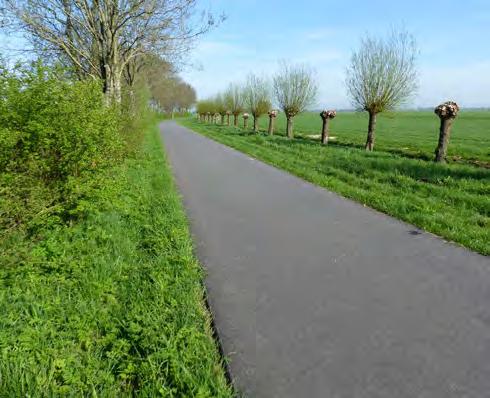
[(452, 201), (112, 306)]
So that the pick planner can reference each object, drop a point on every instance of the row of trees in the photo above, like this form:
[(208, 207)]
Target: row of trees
[(382, 76), (168, 92), (293, 88), (110, 40)]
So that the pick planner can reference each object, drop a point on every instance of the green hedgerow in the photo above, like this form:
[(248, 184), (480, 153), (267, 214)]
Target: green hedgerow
[(57, 137)]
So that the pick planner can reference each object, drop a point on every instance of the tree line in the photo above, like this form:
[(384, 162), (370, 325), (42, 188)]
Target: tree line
[(382, 76), (114, 41)]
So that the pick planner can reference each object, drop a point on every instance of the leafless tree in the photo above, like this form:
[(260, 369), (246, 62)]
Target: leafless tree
[(295, 89), (245, 120), (447, 112), (382, 75), (257, 97), (272, 116), (326, 116), (234, 100), (100, 38)]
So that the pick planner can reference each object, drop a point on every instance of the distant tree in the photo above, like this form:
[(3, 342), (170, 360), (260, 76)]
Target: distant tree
[(221, 106), (203, 108), (382, 75), (257, 97), (295, 89), (447, 112), (234, 100)]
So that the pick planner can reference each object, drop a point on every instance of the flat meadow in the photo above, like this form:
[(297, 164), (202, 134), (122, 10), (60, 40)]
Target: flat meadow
[(399, 178), (411, 134)]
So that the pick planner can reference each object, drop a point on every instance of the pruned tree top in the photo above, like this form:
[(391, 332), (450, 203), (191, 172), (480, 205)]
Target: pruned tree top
[(328, 114), (382, 74), (295, 88), (447, 110)]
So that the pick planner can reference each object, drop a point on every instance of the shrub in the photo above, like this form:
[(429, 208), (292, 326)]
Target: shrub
[(57, 139)]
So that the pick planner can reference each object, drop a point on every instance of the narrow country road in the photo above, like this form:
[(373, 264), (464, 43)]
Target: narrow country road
[(317, 296)]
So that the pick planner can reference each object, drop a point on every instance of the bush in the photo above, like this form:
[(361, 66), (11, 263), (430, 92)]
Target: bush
[(57, 140)]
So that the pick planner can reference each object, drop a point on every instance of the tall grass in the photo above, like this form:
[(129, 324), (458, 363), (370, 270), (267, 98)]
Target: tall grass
[(113, 305)]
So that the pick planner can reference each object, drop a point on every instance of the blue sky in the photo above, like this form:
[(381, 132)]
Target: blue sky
[(453, 37)]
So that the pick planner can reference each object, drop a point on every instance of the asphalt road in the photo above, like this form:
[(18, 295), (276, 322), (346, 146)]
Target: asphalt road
[(317, 296)]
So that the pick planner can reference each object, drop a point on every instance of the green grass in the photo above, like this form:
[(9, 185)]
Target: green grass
[(451, 200), (410, 134), (112, 306)]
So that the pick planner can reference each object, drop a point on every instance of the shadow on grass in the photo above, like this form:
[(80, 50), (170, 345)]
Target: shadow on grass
[(425, 172)]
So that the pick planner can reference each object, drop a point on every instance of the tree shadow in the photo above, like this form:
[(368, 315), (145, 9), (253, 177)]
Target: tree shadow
[(420, 171)]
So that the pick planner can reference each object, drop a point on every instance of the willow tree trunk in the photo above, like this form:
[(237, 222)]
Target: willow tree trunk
[(235, 120), (371, 129), (256, 124), (271, 126), (223, 120), (444, 134), (245, 123), (325, 131), (227, 120), (289, 127)]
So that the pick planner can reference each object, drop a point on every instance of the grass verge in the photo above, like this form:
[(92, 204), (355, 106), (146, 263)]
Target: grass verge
[(112, 306), (452, 201)]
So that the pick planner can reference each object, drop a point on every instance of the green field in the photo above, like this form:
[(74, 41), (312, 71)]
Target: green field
[(398, 178), (410, 134), (112, 306)]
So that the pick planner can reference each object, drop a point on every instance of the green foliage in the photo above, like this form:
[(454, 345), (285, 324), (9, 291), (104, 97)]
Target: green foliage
[(57, 140), (449, 200), (112, 306), (263, 106)]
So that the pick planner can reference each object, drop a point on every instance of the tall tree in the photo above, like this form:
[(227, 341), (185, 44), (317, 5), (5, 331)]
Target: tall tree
[(234, 100), (101, 37), (257, 97), (382, 76), (295, 90)]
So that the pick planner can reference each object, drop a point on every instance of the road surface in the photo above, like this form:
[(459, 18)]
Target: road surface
[(314, 295)]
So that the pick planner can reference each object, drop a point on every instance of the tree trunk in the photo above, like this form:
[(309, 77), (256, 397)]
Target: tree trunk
[(227, 120), (223, 120), (325, 131), (235, 120), (289, 127), (245, 123), (444, 133), (371, 129), (256, 124), (270, 131), (112, 83)]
